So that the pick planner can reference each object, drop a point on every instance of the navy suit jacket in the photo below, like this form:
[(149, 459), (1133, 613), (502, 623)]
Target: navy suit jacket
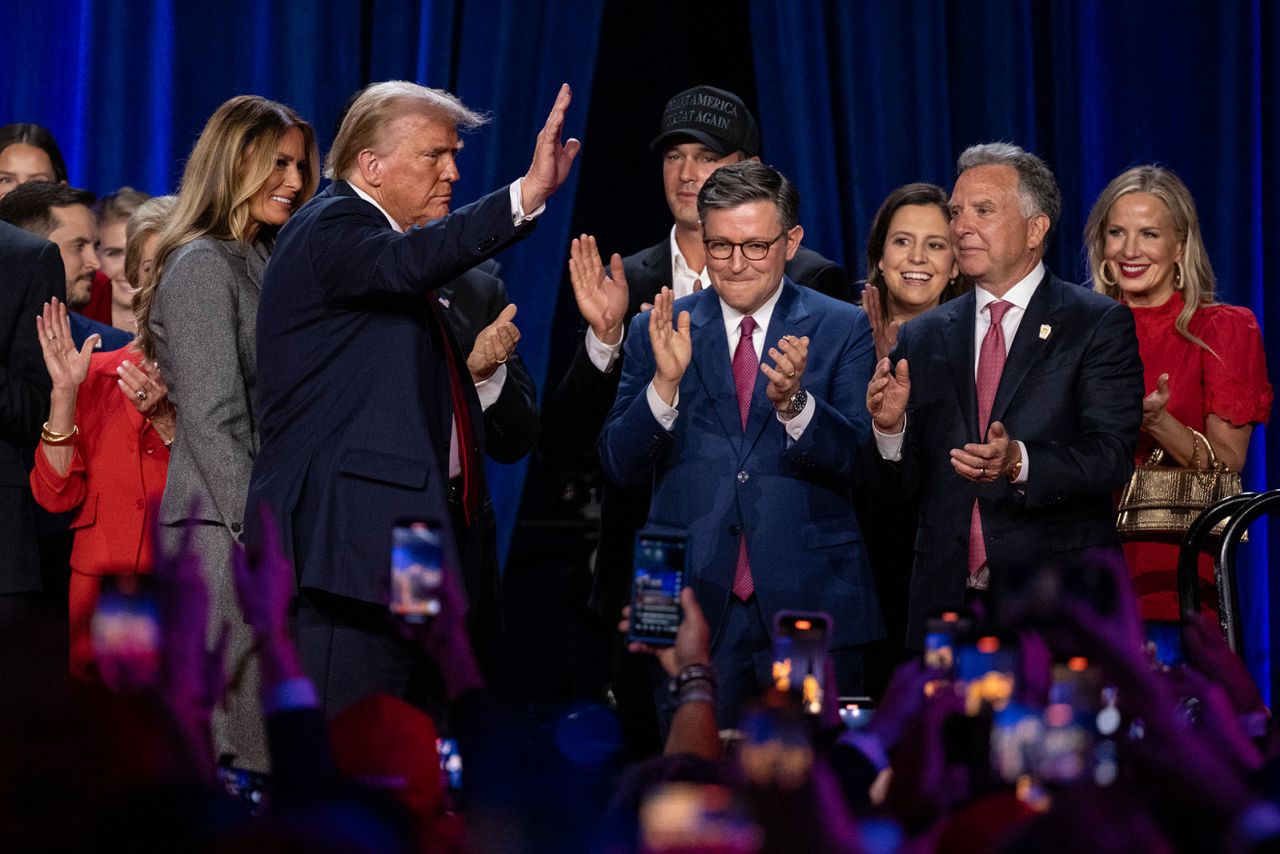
[(715, 483), (353, 386), (1071, 391)]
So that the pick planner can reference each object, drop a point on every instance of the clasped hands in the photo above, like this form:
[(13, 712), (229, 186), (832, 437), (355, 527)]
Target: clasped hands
[(673, 349), (980, 462)]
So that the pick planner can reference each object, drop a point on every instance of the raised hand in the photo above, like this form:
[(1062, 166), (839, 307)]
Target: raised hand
[(693, 637), (67, 366), (1153, 405), (672, 348), (551, 159), (883, 333), (494, 345), (887, 395), (787, 371), (602, 296)]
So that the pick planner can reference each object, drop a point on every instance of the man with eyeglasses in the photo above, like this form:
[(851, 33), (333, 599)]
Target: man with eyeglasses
[(752, 452)]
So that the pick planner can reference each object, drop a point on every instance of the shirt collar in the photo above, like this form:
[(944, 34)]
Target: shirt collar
[(362, 194), (1019, 295), (679, 265), (762, 315)]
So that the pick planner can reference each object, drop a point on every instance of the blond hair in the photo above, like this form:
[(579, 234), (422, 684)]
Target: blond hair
[(371, 112), (1195, 273), (149, 218), (234, 156)]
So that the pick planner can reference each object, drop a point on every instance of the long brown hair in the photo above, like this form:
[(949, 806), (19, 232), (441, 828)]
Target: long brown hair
[(233, 157), (908, 194)]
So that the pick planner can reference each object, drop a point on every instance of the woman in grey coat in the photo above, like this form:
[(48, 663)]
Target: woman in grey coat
[(253, 165)]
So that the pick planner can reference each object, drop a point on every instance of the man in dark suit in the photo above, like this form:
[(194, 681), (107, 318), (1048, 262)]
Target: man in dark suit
[(368, 414), (1013, 410), (752, 459)]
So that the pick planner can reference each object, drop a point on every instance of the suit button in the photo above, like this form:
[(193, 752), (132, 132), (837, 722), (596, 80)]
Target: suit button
[(487, 244), (734, 530), (743, 477), (235, 527), (139, 504)]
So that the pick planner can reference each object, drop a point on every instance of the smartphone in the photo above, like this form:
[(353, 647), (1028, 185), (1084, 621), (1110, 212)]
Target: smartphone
[(856, 712), (248, 787), (655, 589), (417, 567), (800, 643), (126, 632), (1164, 643), (1066, 750), (984, 672)]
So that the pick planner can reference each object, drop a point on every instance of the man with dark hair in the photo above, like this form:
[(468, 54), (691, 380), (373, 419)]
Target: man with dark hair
[(63, 215), (752, 453), (1013, 410)]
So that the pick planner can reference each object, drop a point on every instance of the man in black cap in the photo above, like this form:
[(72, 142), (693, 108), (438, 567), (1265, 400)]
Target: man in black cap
[(702, 129)]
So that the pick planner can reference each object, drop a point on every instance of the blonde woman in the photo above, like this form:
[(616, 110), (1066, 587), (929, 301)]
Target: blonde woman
[(1203, 361), (253, 165)]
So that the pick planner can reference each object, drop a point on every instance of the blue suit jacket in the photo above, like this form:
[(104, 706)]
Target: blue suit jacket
[(715, 483), (1071, 391), (353, 387)]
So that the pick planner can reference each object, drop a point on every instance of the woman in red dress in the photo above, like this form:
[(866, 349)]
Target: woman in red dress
[(1204, 363)]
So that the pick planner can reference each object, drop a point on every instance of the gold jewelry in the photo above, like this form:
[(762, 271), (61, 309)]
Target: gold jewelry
[(1102, 274), (141, 394), (502, 361), (790, 375), (1016, 470), (1177, 276), (53, 437)]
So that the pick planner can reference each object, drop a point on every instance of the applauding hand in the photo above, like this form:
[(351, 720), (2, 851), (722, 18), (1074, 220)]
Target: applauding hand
[(672, 348), (601, 296), (494, 345)]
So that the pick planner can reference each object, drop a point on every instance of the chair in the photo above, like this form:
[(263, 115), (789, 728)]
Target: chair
[(1195, 541), (1225, 566)]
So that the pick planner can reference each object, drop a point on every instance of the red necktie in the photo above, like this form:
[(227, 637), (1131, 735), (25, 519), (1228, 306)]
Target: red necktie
[(746, 364), (990, 365), (461, 416)]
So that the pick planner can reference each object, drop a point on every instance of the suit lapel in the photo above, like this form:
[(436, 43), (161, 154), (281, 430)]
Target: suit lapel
[(711, 360), (1027, 344), (789, 314), (957, 343)]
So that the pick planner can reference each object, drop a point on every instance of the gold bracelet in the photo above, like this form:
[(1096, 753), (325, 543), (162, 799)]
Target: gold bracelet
[(53, 437)]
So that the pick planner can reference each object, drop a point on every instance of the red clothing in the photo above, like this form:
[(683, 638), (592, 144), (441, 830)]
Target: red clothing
[(1231, 385), (118, 469)]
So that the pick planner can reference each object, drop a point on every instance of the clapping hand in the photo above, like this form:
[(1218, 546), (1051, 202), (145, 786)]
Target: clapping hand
[(785, 376), (144, 387), (1153, 405), (884, 333), (494, 345), (601, 296), (887, 395), (672, 348)]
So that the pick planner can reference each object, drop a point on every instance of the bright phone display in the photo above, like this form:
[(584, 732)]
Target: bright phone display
[(655, 589)]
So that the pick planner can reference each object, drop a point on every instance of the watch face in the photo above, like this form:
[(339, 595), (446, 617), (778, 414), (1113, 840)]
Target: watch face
[(798, 400)]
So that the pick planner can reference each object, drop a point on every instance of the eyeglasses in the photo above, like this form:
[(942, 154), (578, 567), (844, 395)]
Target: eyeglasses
[(752, 250)]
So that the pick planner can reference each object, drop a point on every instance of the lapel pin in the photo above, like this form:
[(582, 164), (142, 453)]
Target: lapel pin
[(444, 301), (1045, 329)]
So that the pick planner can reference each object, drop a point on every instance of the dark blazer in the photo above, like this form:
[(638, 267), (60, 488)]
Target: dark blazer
[(31, 274), (1071, 391), (353, 384), (576, 414), (716, 483)]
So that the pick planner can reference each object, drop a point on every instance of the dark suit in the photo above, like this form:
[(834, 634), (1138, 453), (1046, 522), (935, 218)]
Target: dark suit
[(716, 483), (470, 303), (1071, 391), (356, 412), (32, 275)]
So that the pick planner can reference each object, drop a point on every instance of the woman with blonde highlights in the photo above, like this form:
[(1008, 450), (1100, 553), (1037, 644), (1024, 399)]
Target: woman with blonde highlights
[(1204, 363), (253, 165)]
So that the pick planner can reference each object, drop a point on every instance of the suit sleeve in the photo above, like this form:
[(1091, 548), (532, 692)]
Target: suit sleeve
[(841, 425), (356, 256), (511, 424), (214, 422), (24, 381), (579, 406), (633, 440), (832, 281), (1110, 390)]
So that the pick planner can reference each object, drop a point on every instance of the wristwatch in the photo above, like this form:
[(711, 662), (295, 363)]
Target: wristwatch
[(795, 406)]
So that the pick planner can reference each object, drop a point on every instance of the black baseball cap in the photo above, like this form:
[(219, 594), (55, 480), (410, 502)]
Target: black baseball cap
[(714, 117)]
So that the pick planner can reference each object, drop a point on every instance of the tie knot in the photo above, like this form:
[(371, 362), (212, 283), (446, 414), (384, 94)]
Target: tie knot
[(748, 325), (997, 309)]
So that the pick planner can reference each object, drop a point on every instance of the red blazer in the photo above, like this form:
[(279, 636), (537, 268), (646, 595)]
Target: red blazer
[(118, 471)]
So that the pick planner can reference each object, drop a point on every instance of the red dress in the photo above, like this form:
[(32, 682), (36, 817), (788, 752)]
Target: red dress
[(1231, 385), (118, 469)]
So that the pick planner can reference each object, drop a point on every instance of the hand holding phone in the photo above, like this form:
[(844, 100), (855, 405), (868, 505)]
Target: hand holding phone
[(655, 614)]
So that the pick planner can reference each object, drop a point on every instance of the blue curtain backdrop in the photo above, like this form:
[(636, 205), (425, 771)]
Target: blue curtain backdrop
[(858, 98), (126, 86)]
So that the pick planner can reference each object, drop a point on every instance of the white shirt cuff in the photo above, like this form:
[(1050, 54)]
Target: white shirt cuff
[(666, 415), (796, 426), (603, 356), (489, 390), (890, 445), (1026, 465), (518, 216)]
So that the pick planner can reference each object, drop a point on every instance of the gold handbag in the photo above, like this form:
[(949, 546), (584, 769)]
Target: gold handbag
[(1161, 502)]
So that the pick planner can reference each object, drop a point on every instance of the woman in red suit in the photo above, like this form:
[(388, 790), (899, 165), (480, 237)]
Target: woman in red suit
[(104, 451), (1204, 362)]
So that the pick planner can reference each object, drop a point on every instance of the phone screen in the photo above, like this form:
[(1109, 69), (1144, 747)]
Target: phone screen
[(686, 817), (800, 643), (655, 589), (1066, 750), (126, 632), (985, 670), (1164, 643), (856, 712), (417, 564)]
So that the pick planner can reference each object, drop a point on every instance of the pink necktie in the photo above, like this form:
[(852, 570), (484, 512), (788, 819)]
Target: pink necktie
[(990, 365), (746, 364)]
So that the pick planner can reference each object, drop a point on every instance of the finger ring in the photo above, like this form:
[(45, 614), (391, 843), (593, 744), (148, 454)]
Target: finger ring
[(502, 361), (51, 336), (141, 394), (790, 375), (984, 471)]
